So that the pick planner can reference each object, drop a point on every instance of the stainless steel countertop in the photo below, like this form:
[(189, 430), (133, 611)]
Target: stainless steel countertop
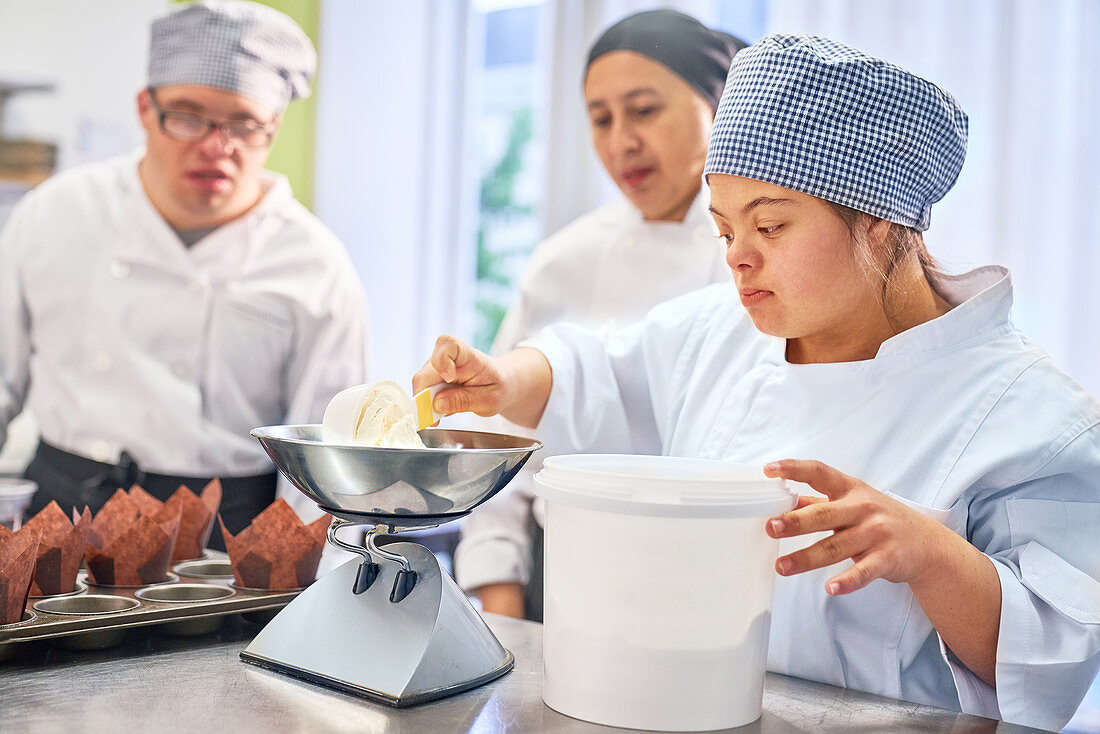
[(155, 683)]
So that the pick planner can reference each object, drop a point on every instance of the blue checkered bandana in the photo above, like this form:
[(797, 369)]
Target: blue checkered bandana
[(816, 116), (242, 47)]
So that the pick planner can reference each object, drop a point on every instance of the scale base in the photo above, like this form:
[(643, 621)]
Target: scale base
[(429, 645)]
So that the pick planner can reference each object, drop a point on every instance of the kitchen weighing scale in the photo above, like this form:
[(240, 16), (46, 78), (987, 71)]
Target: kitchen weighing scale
[(390, 626)]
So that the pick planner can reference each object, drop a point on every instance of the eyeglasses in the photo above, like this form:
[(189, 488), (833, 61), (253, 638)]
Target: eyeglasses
[(191, 128)]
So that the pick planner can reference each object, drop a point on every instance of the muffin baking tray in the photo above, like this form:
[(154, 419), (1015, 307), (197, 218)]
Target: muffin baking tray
[(195, 599)]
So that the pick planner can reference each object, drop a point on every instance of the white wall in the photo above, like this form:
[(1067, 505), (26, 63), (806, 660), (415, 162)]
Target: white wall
[(95, 53), (393, 180)]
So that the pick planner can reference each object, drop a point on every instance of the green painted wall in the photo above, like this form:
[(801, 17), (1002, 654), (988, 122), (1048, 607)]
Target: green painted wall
[(293, 152)]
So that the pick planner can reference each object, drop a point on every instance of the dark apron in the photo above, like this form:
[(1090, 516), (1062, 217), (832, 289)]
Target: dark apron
[(74, 481)]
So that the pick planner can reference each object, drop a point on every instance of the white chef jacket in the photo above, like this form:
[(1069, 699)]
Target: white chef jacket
[(119, 337), (961, 418), (606, 269)]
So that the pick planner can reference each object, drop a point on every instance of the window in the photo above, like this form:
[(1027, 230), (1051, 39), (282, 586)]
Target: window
[(509, 159)]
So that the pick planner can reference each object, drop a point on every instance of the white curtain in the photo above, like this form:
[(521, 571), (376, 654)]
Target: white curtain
[(393, 178), (1027, 72)]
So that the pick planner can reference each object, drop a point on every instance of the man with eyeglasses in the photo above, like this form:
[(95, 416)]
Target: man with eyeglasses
[(156, 307)]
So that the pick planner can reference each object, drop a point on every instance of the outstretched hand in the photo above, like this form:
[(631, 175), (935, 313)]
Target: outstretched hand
[(515, 385), (475, 376), (956, 585), (885, 538)]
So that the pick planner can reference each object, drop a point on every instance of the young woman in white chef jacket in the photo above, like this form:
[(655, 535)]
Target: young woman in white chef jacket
[(956, 560), (651, 87)]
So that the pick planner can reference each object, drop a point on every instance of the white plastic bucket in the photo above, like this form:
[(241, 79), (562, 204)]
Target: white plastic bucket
[(658, 589)]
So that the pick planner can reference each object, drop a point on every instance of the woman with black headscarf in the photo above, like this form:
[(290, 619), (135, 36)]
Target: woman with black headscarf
[(651, 87)]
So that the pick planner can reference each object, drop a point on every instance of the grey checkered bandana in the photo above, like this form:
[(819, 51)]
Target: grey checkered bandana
[(816, 116), (242, 47)]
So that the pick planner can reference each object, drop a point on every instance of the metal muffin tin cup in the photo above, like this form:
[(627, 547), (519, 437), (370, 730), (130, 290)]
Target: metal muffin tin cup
[(80, 586), (100, 639), (7, 649), (213, 569), (187, 593), (170, 578), (28, 616), (178, 593), (84, 606), (294, 590)]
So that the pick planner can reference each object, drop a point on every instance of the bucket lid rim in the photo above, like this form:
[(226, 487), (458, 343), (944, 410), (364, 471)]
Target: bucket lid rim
[(717, 471), (587, 480)]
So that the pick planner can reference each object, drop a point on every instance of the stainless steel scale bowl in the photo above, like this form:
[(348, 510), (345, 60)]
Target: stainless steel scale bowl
[(392, 626)]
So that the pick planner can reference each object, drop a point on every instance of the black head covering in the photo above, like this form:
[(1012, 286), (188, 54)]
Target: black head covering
[(697, 54)]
